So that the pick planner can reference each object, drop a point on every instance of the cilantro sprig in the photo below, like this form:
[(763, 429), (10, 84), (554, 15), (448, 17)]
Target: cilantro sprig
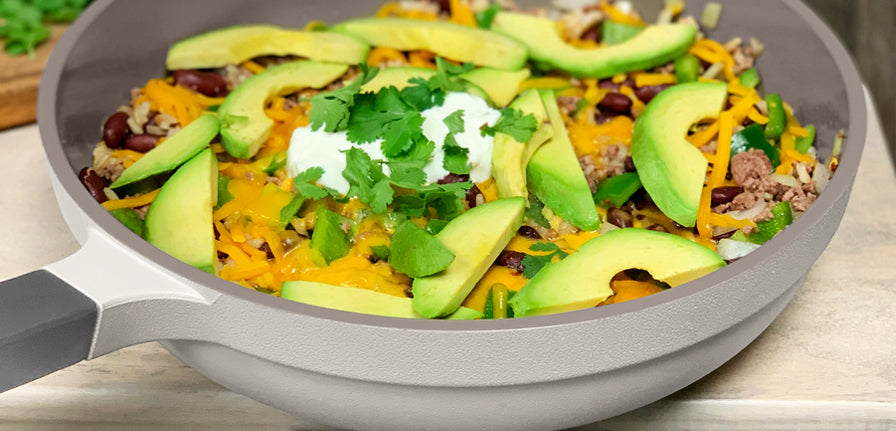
[(514, 123), (533, 264), (23, 22)]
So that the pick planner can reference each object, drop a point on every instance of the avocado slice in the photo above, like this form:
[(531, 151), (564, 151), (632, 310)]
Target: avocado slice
[(172, 152), (244, 125), (672, 170), (555, 176), (445, 39), (510, 157), (234, 45), (476, 238), (179, 220), (358, 300), (582, 280), (655, 46), (417, 253), (498, 87)]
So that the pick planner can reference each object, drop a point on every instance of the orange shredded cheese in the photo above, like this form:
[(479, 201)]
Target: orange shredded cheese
[(461, 13), (545, 82), (617, 15), (179, 102), (728, 221), (703, 137), (422, 58), (235, 253), (244, 271), (381, 55), (134, 202), (757, 118), (253, 66), (649, 79)]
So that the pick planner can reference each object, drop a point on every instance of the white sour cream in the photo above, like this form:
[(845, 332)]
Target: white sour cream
[(309, 148)]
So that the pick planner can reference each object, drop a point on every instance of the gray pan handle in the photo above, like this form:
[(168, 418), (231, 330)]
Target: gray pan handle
[(45, 326)]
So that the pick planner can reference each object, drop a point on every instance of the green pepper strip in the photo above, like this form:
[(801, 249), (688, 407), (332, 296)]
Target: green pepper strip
[(803, 144), (687, 68), (782, 216), (752, 137), (750, 78), (616, 190), (777, 120)]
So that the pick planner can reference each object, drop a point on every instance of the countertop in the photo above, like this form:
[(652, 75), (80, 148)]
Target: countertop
[(827, 362)]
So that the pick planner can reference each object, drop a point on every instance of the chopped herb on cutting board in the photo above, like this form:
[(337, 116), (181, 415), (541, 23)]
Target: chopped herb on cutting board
[(23, 22)]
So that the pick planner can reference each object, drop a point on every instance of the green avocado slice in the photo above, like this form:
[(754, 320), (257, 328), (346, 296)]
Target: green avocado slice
[(671, 169), (234, 45), (510, 157), (555, 176), (582, 280), (244, 125), (445, 39), (172, 152), (655, 46), (179, 220), (358, 300), (476, 238)]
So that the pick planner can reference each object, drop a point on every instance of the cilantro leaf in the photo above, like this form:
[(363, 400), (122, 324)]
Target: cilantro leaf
[(514, 123), (367, 180), (455, 122), (385, 116), (533, 264), (456, 157), (407, 169), (420, 96), (330, 110), (305, 186), (533, 212)]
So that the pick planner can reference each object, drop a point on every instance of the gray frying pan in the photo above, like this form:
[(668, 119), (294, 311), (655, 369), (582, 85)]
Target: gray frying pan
[(358, 371)]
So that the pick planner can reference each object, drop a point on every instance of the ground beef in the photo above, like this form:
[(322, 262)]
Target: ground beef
[(751, 170), (743, 201), (568, 104), (800, 198), (613, 159)]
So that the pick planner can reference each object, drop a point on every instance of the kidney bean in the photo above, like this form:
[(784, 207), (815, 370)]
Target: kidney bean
[(267, 249), (725, 235), (471, 196), (208, 83), (629, 164), (512, 260), (94, 184), (116, 129), (608, 84), (454, 178), (141, 143), (620, 217), (647, 93), (592, 34), (529, 232), (616, 102), (723, 195), (657, 228), (444, 5)]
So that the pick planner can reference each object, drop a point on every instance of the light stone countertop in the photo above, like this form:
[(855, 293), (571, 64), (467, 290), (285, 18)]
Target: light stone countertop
[(828, 361)]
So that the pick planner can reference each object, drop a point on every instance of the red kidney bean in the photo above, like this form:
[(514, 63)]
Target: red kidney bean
[(657, 228), (208, 83), (116, 129), (616, 103), (267, 249), (94, 184), (471, 196), (610, 85), (141, 143), (512, 260), (647, 93), (454, 178), (629, 164), (725, 235), (592, 34), (620, 217), (723, 195), (528, 232)]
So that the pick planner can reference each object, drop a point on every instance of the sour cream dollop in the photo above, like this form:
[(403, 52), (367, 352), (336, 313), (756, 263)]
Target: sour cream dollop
[(309, 148)]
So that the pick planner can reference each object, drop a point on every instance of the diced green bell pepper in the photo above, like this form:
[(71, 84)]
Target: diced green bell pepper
[(224, 194), (782, 216), (614, 33), (750, 78), (687, 68), (278, 161), (803, 144), (777, 119), (614, 191), (752, 137)]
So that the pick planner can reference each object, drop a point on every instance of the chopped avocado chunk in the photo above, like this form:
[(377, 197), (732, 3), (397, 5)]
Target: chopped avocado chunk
[(555, 176), (179, 220), (329, 240), (129, 218), (655, 46), (614, 33), (417, 253), (753, 137), (356, 300), (234, 45), (288, 212), (244, 125), (511, 157), (172, 152), (445, 39), (582, 280), (615, 191), (671, 169), (476, 238)]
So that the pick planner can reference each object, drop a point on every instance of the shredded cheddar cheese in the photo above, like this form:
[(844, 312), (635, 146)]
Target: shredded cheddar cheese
[(134, 202)]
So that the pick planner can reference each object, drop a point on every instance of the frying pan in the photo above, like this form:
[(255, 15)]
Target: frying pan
[(358, 371)]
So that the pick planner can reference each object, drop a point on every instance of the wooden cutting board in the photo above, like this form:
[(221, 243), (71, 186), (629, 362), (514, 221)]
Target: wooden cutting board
[(19, 78)]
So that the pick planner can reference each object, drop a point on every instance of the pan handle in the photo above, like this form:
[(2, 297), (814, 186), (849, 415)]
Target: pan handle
[(45, 326)]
